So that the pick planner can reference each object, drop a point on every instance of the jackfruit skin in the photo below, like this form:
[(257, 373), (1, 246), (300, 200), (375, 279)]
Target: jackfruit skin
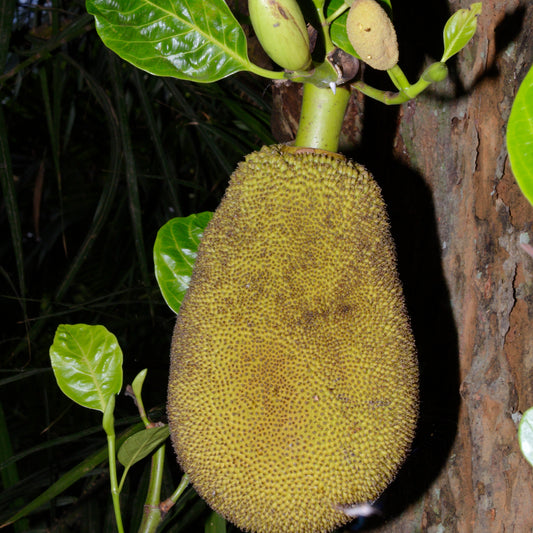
[(293, 384)]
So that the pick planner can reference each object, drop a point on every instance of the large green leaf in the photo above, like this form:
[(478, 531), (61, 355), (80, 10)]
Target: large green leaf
[(175, 253), (197, 40), (520, 136), (525, 435), (87, 364), (459, 29)]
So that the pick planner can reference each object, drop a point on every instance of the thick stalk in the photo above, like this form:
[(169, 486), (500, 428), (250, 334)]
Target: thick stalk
[(152, 511), (321, 117)]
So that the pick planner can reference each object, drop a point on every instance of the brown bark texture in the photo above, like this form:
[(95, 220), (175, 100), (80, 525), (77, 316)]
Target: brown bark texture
[(458, 218)]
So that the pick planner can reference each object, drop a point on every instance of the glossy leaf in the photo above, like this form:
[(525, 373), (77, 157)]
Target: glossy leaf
[(175, 253), (459, 29), (142, 444), (136, 388), (87, 364), (138, 382), (338, 33), (215, 523), (520, 136), (525, 435), (197, 40)]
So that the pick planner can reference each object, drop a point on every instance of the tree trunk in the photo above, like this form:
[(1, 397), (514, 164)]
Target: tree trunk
[(458, 218)]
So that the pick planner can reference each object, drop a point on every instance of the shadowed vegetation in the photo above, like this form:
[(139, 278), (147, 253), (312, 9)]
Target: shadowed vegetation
[(95, 157)]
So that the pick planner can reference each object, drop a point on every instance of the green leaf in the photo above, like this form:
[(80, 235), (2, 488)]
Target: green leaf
[(175, 253), (215, 524), (319, 4), (87, 364), (520, 136), (525, 435), (137, 383), (338, 34), (197, 40), (459, 29), (142, 444)]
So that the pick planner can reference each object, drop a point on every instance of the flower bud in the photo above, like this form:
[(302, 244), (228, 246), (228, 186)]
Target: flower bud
[(282, 32), (435, 72), (372, 34)]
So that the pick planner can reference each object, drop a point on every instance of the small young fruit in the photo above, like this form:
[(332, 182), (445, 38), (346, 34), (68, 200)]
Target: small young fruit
[(282, 32), (372, 34)]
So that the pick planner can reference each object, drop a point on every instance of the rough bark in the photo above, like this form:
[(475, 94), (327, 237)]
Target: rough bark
[(456, 145), (458, 218)]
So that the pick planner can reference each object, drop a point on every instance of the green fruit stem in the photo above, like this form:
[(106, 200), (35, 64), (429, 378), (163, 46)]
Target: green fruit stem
[(321, 117)]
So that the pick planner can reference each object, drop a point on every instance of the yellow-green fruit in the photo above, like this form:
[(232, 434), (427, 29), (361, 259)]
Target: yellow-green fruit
[(371, 33), (293, 380), (281, 29)]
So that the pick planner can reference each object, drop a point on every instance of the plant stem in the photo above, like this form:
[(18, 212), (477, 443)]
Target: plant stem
[(337, 13), (321, 117), (169, 502), (385, 97), (152, 510), (265, 73), (328, 44), (113, 480), (404, 94)]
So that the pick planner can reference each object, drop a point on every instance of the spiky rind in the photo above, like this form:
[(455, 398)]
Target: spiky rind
[(293, 383)]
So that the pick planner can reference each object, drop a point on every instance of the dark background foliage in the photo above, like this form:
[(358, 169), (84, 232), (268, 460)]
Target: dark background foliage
[(96, 156)]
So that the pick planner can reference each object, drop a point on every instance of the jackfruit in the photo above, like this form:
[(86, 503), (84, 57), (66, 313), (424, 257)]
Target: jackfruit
[(371, 33), (293, 384)]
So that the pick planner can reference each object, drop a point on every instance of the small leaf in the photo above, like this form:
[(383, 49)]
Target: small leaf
[(198, 40), (338, 33), (215, 523), (175, 253), (520, 136), (459, 29), (525, 435), (137, 383), (87, 364), (319, 4), (142, 444)]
